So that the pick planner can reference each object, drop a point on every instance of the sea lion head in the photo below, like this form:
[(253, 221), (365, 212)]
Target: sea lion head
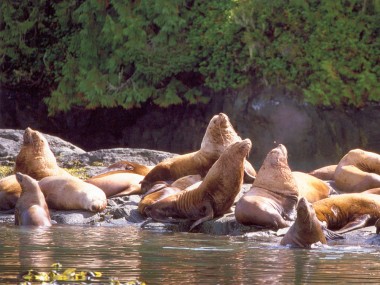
[(25, 181), (219, 135), (162, 209), (34, 139), (305, 212)]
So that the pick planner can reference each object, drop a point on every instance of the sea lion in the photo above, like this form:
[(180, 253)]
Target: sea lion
[(214, 196), (31, 208), (117, 183), (306, 230), (373, 191), (271, 201), (161, 190), (129, 167), (218, 136), (357, 171), (10, 191), (324, 173), (310, 187), (346, 212), (71, 193), (35, 157)]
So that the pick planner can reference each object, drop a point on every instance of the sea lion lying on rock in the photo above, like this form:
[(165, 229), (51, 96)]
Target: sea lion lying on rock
[(346, 212), (215, 195), (71, 193), (358, 171), (310, 187), (31, 207), (10, 191), (271, 201), (324, 173), (218, 136)]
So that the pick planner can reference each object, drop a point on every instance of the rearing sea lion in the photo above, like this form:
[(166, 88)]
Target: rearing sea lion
[(357, 171), (271, 201), (218, 136), (215, 195), (35, 157), (31, 207)]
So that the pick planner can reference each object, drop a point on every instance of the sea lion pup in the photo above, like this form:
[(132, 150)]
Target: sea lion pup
[(324, 173), (128, 167), (214, 196), (346, 212), (31, 207), (10, 191), (218, 136), (161, 190), (71, 193), (357, 171), (117, 183), (271, 201), (35, 157), (310, 187), (306, 230)]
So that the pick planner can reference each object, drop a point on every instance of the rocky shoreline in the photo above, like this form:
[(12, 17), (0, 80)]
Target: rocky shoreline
[(122, 211)]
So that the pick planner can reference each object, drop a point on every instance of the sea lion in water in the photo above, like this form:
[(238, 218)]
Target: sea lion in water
[(31, 207), (357, 171), (218, 136), (271, 201), (214, 196), (161, 190), (10, 191), (306, 230), (310, 187), (324, 173), (117, 183), (346, 212), (35, 157), (71, 193)]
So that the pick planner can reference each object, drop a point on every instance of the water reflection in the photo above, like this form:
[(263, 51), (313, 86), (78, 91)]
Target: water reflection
[(185, 258)]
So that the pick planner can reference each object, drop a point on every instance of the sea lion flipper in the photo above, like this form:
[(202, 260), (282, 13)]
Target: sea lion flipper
[(358, 223), (209, 216), (330, 235)]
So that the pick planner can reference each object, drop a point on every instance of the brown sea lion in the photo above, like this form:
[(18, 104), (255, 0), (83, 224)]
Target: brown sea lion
[(346, 212), (218, 136), (117, 183), (129, 167), (271, 201), (71, 193), (35, 157), (214, 196), (306, 230), (161, 190), (10, 191), (324, 173), (357, 171), (310, 187), (31, 207)]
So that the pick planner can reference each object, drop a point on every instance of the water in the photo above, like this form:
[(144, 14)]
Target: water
[(128, 253)]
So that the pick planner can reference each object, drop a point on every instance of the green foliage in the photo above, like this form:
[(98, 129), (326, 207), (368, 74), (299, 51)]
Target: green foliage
[(330, 49), (107, 53)]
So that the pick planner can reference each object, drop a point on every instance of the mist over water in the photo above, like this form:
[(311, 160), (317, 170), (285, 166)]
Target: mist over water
[(128, 253)]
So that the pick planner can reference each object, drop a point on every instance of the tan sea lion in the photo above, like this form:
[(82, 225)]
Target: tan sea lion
[(35, 157), (306, 230), (347, 212), (271, 201), (10, 191), (310, 187), (357, 171), (324, 173), (214, 196), (129, 167), (117, 183), (31, 207), (71, 193), (218, 136), (161, 190)]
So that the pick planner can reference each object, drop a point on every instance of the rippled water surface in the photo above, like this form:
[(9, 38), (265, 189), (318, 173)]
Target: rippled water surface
[(183, 258)]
